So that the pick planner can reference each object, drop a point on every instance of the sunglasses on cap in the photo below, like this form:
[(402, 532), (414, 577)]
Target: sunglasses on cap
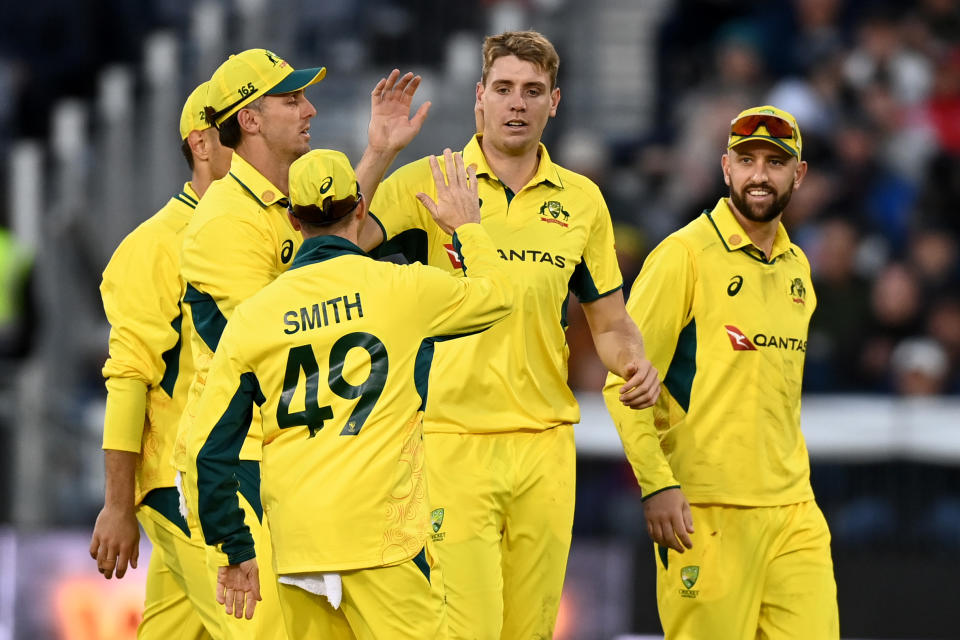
[(777, 127)]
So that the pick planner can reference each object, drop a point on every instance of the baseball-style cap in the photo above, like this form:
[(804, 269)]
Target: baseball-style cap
[(766, 123), (323, 187), (193, 117), (246, 76)]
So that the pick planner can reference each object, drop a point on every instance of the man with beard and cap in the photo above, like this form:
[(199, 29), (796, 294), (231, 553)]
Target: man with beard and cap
[(724, 304)]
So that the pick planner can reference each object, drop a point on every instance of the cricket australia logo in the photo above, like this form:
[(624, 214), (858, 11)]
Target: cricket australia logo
[(688, 576), (436, 521), (797, 291), (552, 211)]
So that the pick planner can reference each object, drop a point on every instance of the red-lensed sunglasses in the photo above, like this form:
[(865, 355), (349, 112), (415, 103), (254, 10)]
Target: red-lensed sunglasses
[(747, 125)]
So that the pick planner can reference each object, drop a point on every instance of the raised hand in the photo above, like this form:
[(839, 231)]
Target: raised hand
[(391, 127), (457, 193)]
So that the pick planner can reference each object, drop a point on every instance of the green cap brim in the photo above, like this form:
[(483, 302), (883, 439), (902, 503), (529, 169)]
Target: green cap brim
[(777, 141), (298, 80)]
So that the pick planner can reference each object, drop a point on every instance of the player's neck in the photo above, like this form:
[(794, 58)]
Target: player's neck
[(260, 157), (513, 170)]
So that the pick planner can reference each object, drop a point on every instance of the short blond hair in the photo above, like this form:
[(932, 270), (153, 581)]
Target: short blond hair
[(530, 46)]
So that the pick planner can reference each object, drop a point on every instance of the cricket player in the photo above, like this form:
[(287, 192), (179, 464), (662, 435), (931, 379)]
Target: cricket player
[(499, 421), (742, 550), (337, 353), (240, 240), (148, 373)]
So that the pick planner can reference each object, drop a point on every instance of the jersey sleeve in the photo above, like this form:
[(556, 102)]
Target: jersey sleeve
[(141, 299), (218, 429), (660, 303), (598, 273), (224, 263), (460, 306), (395, 206)]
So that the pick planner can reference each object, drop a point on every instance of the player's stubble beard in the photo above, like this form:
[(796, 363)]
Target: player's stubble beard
[(760, 213)]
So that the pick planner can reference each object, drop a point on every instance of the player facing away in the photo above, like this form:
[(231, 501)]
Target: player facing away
[(240, 239), (337, 353), (148, 372), (742, 550), (499, 420)]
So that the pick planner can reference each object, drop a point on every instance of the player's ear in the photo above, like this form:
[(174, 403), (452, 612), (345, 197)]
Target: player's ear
[(554, 101), (198, 145), (725, 164), (801, 172)]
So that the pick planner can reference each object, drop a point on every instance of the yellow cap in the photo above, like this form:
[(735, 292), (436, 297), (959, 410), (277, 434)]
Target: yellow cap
[(246, 76), (758, 119), (318, 180), (192, 118)]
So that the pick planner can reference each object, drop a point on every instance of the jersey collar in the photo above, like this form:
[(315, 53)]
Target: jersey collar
[(734, 238), (254, 182), (320, 248), (188, 196), (546, 170)]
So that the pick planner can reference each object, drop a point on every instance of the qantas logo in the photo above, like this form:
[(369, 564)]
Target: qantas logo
[(455, 258), (739, 341)]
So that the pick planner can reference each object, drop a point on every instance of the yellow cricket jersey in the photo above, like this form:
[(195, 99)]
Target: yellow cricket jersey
[(149, 368), (238, 241), (554, 236), (337, 353), (727, 330)]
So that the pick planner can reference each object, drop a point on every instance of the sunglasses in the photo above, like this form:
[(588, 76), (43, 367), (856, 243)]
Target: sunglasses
[(778, 127)]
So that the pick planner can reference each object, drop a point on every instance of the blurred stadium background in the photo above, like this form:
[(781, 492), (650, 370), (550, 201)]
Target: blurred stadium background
[(90, 94)]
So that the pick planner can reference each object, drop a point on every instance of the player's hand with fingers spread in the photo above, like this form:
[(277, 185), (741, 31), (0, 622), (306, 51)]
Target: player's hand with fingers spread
[(457, 194), (642, 386), (116, 541), (238, 588), (391, 127), (669, 521)]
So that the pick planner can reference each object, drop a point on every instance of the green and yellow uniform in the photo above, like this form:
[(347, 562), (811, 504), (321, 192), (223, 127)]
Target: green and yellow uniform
[(337, 353), (500, 412), (238, 242), (148, 373), (727, 328)]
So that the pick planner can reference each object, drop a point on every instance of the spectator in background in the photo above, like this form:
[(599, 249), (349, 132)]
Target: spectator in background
[(895, 302), (943, 324), (918, 367)]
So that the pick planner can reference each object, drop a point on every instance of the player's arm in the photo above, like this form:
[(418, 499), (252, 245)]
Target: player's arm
[(659, 304), (116, 535), (140, 292), (463, 305), (620, 347), (391, 128), (213, 289)]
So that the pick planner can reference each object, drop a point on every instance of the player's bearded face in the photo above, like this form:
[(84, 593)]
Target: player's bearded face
[(285, 124), (763, 210), (517, 102)]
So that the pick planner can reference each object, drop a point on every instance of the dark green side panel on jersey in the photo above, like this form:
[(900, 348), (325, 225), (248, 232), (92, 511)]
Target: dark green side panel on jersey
[(683, 367), (171, 359), (166, 502), (412, 244), (207, 318), (423, 362), (217, 479)]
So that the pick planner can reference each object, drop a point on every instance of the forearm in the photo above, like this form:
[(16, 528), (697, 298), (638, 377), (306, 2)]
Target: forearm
[(371, 169), (619, 344), (120, 469)]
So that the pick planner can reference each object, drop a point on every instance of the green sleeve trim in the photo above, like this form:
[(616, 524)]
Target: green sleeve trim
[(208, 320), (673, 486), (379, 224), (683, 367), (458, 246), (583, 286), (166, 502), (218, 463), (171, 358)]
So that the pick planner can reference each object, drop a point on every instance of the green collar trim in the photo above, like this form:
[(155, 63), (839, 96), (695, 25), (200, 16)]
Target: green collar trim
[(320, 248)]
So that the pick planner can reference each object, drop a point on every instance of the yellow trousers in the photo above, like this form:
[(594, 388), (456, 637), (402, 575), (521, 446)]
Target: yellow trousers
[(753, 572)]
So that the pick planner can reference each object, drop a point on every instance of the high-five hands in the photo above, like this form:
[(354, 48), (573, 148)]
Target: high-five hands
[(457, 193)]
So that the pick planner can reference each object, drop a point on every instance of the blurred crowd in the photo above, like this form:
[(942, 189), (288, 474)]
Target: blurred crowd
[(876, 89)]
